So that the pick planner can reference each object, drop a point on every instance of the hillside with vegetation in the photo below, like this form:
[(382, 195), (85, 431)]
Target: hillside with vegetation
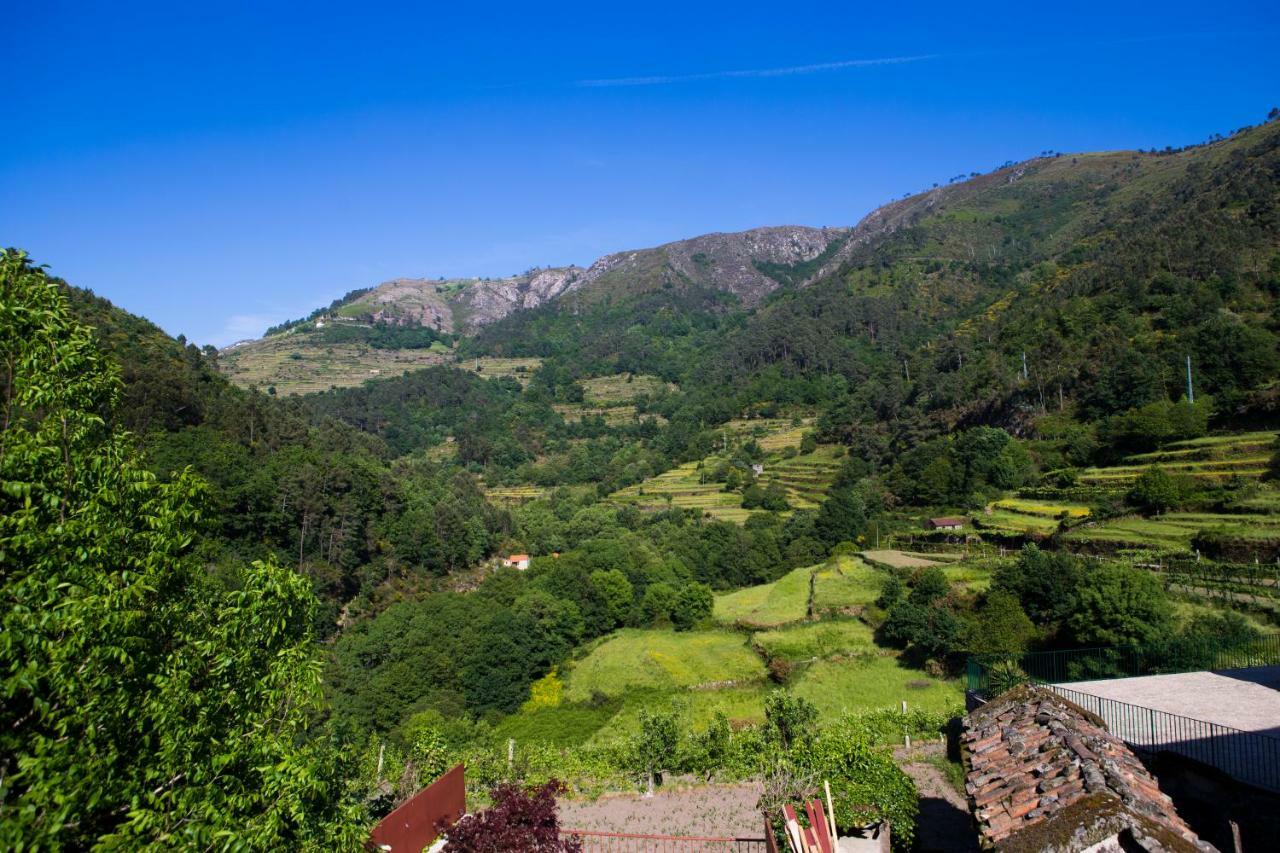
[(723, 480), (407, 323)]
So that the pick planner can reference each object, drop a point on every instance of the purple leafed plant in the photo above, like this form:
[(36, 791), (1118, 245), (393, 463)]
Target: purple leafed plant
[(519, 819)]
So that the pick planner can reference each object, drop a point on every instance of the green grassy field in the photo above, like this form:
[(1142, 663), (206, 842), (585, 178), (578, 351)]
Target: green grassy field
[(634, 659), (816, 640), (768, 605), (973, 576), (850, 583), (869, 683)]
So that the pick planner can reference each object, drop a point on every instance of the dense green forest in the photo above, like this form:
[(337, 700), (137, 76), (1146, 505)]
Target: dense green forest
[(1021, 336)]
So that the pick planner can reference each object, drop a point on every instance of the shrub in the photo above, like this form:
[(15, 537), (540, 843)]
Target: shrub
[(519, 819), (866, 784), (1117, 605), (1000, 625), (654, 747), (790, 718), (1157, 490)]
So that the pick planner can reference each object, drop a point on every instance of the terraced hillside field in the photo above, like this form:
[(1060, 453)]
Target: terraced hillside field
[(604, 391), (613, 415), (773, 434), (292, 364), (1211, 459), (680, 487), (1031, 517), (635, 659), (514, 494), (806, 477), (768, 605), (520, 369), (1174, 531)]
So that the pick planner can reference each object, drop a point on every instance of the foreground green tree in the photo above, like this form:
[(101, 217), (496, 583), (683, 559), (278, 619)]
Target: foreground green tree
[(1118, 606), (141, 706), (653, 748)]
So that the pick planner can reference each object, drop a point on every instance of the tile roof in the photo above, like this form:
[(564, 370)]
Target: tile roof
[(1044, 774)]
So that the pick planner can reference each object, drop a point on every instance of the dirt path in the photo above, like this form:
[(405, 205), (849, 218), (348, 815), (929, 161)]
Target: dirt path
[(944, 824)]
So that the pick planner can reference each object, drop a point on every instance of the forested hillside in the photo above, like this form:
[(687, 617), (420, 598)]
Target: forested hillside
[(723, 489)]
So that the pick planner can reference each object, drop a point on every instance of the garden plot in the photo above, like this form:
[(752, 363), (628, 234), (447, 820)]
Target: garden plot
[(705, 811), (768, 605), (634, 659)]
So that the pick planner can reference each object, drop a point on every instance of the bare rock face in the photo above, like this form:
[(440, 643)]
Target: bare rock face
[(486, 301), (748, 264), (410, 302)]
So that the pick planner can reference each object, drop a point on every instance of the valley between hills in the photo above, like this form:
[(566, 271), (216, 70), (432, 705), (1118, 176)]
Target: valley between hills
[(775, 489)]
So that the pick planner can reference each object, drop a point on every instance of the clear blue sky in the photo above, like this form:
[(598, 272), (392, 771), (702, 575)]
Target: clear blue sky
[(221, 169)]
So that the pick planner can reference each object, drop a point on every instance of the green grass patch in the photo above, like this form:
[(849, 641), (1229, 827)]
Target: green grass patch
[(768, 605), (870, 683), (850, 583), (634, 659), (817, 640), (1030, 507), (563, 725)]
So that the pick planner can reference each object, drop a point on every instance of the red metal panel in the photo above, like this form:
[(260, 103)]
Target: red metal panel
[(412, 826)]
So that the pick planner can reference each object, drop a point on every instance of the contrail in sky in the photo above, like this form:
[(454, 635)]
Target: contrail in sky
[(659, 80)]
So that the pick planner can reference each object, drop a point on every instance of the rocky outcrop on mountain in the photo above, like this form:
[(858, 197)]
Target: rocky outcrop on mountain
[(459, 305), (748, 264)]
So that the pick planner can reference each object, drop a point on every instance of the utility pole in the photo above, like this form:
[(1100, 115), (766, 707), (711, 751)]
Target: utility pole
[(1191, 392)]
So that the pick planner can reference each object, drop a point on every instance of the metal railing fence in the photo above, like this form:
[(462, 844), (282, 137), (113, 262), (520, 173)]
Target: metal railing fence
[(988, 675), (1251, 757)]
